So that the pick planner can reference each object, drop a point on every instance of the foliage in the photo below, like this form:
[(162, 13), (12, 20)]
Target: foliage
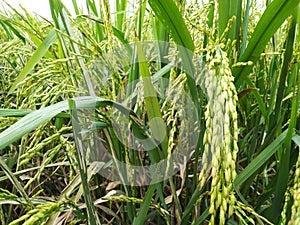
[(244, 168)]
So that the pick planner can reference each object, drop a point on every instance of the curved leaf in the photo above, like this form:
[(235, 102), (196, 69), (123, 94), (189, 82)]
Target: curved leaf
[(35, 59), (169, 14), (30, 122), (271, 20), (260, 160), (36, 118)]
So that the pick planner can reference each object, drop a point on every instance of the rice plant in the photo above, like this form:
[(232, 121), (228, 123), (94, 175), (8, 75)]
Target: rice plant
[(151, 112)]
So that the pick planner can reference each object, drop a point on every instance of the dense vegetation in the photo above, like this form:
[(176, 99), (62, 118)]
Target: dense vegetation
[(243, 162)]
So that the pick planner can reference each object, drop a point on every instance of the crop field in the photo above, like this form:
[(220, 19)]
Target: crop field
[(151, 112)]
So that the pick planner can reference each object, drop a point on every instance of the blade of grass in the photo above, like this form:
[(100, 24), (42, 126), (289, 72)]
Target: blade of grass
[(141, 216), (62, 22), (224, 15), (117, 32), (260, 160), (15, 181), (27, 24), (151, 101), (134, 74), (8, 34), (245, 27), (170, 16), (24, 112), (116, 150), (30, 122), (296, 139), (7, 25), (238, 26), (284, 166), (275, 14), (162, 35), (190, 206), (172, 19), (82, 165), (99, 30), (120, 13), (289, 45), (35, 59), (154, 113), (41, 116), (200, 220), (235, 10), (21, 172)]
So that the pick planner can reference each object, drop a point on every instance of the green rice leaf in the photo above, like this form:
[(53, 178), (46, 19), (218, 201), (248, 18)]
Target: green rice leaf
[(275, 14), (296, 139), (168, 12), (24, 112), (151, 101), (172, 19), (35, 59), (30, 122), (260, 160), (14, 181), (39, 117)]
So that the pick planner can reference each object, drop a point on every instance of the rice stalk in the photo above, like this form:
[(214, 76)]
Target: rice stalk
[(295, 190), (292, 192)]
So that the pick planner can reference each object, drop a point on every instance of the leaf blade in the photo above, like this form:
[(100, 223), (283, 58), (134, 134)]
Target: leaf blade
[(262, 158), (35, 59), (271, 20)]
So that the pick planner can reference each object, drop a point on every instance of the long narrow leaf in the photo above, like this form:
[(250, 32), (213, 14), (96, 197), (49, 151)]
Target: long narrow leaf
[(30, 122), (271, 20), (284, 166), (172, 19), (168, 12), (24, 112), (14, 181), (36, 57), (260, 160), (39, 117), (151, 101)]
